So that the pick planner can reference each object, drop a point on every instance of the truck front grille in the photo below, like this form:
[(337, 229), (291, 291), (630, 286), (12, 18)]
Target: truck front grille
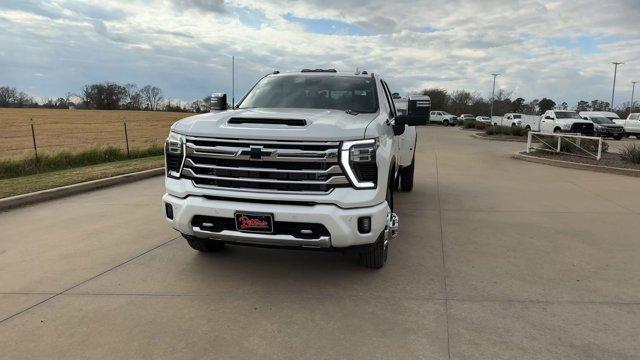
[(263, 165), (582, 128)]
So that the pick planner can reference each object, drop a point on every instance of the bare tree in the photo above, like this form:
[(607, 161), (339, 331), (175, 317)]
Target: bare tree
[(133, 97), (151, 96)]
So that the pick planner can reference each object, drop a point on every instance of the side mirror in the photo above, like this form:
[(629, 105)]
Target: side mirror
[(219, 101), (548, 117)]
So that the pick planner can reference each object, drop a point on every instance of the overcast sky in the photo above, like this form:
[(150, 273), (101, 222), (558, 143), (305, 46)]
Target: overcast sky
[(560, 49)]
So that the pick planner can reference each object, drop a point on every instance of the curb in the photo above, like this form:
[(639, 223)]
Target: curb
[(63, 191), (477, 136), (578, 166)]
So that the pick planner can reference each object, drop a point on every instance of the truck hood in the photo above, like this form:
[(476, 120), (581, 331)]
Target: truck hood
[(319, 124)]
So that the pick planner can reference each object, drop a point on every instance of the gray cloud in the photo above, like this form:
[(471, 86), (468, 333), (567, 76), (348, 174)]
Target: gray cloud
[(213, 6), (451, 44)]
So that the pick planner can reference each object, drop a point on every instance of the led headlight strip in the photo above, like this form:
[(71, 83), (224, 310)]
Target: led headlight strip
[(345, 152), (175, 146)]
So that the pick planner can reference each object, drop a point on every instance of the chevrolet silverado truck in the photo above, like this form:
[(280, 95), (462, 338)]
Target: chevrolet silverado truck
[(308, 159)]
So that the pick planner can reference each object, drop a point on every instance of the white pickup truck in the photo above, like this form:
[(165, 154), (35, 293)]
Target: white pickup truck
[(443, 117), (308, 159), (631, 124), (556, 121)]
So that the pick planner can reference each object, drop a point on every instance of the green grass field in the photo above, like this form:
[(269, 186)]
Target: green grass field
[(53, 179)]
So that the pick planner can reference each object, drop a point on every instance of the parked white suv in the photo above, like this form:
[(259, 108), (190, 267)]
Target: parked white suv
[(443, 117), (555, 121), (305, 160)]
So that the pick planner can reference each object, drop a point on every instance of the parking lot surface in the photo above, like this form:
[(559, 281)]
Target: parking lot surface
[(496, 259)]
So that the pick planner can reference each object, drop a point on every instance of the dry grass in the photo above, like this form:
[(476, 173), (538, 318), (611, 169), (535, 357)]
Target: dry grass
[(76, 130)]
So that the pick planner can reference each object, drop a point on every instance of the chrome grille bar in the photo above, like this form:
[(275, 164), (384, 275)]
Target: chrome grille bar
[(335, 180), (334, 169)]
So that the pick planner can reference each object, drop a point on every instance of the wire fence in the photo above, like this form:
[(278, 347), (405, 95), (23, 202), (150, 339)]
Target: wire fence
[(38, 135)]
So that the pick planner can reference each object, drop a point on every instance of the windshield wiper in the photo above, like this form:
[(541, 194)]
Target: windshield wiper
[(351, 112)]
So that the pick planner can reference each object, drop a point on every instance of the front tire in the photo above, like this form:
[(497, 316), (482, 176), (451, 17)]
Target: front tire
[(375, 256), (618, 137), (445, 123), (203, 245)]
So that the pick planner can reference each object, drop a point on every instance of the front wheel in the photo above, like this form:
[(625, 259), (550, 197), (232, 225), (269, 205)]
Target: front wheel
[(557, 130), (375, 256), (618, 137), (445, 123)]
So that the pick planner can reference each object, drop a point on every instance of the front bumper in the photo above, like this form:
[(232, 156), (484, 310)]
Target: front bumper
[(342, 224), (610, 132)]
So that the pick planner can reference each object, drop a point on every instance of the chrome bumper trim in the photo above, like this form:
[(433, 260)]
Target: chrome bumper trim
[(263, 239)]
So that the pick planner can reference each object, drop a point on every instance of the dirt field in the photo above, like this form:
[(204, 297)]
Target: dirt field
[(80, 129)]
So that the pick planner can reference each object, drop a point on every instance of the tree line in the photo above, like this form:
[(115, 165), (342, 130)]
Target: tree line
[(465, 102), (113, 96), (106, 96)]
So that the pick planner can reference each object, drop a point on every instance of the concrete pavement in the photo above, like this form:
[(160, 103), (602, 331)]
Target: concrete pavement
[(496, 259)]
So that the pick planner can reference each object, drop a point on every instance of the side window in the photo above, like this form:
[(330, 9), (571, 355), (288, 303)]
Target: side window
[(387, 94), (432, 113), (634, 117)]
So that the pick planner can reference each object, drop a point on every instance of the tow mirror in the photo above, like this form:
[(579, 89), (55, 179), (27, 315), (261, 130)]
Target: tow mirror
[(218, 102)]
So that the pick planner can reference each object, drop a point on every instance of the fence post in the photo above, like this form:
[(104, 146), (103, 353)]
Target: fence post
[(126, 138), (599, 148), (559, 142), (528, 142), (33, 135)]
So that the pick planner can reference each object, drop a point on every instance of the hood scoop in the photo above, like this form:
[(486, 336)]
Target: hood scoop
[(268, 121)]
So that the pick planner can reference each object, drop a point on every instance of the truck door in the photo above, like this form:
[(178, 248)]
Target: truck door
[(407, 139), (546, 122)]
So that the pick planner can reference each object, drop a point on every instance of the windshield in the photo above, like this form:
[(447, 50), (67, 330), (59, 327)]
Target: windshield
[(601, 120), (314, 92), (567, 115)]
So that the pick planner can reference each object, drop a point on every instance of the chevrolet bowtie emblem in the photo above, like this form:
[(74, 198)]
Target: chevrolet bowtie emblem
[(258, 152)]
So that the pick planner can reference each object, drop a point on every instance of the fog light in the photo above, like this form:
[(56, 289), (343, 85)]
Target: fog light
[(364, 224), (168, 209)]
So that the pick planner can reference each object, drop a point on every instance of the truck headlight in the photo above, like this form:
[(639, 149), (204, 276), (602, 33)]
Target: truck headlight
[(174, 154), (359, 161), (566, 126)]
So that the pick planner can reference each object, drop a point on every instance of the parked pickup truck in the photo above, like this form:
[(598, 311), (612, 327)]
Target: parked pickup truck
[(555, 121), (631, 124), (305, 160), (512, 119), (443, 117)]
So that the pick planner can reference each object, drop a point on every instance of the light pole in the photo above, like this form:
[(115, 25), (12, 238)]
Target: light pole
[(613, 91), (633, 89), (493, 94)]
